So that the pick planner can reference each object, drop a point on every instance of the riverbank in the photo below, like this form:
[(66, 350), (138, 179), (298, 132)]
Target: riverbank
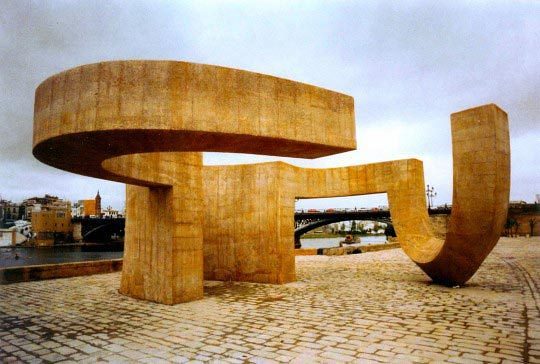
[(53, 271), (335, 242), (330, 235), (346, 250), (82, 252), (20, 271), (33, 245), (58, 254)]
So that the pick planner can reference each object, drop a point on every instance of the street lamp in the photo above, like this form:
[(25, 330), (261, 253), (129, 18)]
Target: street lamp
[(430, 193)]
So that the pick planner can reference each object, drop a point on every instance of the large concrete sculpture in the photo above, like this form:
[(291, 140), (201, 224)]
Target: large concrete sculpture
[(145, 123)]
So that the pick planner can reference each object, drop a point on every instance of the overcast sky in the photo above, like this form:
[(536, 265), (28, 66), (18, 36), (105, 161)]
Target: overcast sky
[(408, 65)]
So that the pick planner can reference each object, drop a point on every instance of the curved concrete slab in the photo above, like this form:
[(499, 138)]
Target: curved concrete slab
[(120, 120), (110, 109)]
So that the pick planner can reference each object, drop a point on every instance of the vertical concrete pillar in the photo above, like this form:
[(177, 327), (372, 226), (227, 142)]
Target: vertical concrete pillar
[(163, 259), (77, 232)]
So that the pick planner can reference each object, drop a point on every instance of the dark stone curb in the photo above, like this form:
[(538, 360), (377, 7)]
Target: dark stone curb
[(52, 271)]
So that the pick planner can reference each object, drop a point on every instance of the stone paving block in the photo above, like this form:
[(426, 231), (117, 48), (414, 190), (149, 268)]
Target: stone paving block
[(337, 356), (65, 350), (53, 357), (360, 307), (117, 359), (179, 359)]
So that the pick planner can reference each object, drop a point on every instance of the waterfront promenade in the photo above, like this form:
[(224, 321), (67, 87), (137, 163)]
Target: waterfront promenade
[(369, 307)]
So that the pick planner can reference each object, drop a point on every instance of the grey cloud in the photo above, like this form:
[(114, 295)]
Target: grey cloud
[(408, 65)]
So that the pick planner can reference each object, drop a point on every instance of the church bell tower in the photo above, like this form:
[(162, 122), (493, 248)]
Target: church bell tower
[(98, 204)]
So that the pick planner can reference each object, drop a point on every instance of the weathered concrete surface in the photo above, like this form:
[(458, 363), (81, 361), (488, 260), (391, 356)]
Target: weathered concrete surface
[(249, 222), (163, 255), (110, 109), (117, 121), (145, 122), (377, 306)]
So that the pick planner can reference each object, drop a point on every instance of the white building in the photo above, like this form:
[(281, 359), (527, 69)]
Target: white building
[(11, 237), (77, 209), (110, 213)]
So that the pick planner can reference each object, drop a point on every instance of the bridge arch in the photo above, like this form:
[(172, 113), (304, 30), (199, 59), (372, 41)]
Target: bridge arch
[(95, 230), (100, 229), (314, 220)]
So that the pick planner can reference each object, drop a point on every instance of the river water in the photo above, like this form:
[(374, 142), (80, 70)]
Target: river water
[(14, 257)]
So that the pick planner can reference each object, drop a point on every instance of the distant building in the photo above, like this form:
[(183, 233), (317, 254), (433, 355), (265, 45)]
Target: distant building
[(24, 228), (76, 209), (51, 221), (34, 204), (11, 237), (52, 224), (110, 213), (88, 208), (98, 204), (9, 211)]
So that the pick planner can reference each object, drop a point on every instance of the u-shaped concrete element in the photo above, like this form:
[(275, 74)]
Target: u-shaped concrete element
[(145, 123), (264, 195)]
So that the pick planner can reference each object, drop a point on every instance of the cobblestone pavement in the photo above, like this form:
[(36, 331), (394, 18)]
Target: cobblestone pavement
[(368, 307)]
